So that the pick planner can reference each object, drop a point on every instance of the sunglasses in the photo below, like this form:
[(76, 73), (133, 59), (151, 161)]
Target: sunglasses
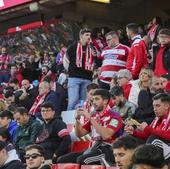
[(33, 156)]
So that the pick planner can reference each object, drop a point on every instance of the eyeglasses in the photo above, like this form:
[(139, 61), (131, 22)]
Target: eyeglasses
[(46, 110), (33, 156)]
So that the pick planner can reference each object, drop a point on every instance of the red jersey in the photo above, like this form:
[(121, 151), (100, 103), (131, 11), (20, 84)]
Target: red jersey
[(114, 59), (159, 127), (159, 66), (126, 90), (137, 57), (107, 119)]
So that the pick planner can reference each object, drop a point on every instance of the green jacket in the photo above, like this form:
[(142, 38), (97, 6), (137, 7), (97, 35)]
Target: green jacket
[(27, 134)]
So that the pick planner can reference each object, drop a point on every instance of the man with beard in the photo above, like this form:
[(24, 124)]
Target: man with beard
[(123, 149), (122, 106), (104, 126)]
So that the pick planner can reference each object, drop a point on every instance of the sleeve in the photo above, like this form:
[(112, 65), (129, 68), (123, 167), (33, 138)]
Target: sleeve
[(34, 131), (63, 133), (115, 124), (165, 134), (139, 56), (87, 125)]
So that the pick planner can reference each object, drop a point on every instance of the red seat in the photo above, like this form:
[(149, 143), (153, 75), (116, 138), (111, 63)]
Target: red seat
[(79, 146), (66, 166), (92, 167)]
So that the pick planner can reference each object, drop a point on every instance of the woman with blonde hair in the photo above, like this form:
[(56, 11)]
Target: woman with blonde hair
[(144, 82)]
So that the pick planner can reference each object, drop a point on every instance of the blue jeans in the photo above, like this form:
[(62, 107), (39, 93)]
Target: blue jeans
[(76, 91)]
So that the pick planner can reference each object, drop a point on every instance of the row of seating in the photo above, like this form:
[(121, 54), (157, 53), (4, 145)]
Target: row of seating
[(77, 166)]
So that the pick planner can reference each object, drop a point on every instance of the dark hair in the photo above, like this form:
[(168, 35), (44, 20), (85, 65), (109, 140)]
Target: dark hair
[(165, 32), (84, 30), (47, 79), (112, 33), (158, 20), (116, 91), (163, 97), (15, 81), (48, 105), (5, 134), (103, 93), (21, 110), (133, 27), (92, 86), (37, 147), (127, 142), (8, 93), (150, 155), (7, 113)]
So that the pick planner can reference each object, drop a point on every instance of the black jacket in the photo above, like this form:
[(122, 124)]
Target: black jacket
[(15, 164), (73, 70), (51, 139)]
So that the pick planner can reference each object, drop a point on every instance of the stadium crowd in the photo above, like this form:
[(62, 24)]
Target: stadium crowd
[(117, 81)]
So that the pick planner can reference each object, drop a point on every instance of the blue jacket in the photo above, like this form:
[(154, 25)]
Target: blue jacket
[(12, 130)]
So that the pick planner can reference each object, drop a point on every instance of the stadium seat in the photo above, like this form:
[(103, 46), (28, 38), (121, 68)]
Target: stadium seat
[(66, 166), (79, 146), (92, 167)]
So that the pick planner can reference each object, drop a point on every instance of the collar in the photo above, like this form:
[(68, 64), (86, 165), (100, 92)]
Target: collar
[(136, 37)]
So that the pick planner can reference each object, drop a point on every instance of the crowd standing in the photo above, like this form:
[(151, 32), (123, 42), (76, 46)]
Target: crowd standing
[(118, 84)]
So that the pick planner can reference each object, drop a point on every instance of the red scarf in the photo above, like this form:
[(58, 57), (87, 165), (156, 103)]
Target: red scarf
[(152, 32), (38, 101), (164, 124), (88, 57)]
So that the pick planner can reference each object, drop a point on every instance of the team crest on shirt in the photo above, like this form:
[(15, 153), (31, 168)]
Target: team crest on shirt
[(106, 119), (114, 122)]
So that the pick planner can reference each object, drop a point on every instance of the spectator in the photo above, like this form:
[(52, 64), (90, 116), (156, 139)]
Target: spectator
[(158, 131), (144, 82), (34, 156), (45, 94), (144, 111), (148, 156), (124, 78), (3, 105), (54, 138), (111, 64), (5, 161), (138, 54), (28, 130), (156, 86), (4, 65), (161, 58), (153, 29), (104, 126), (29, 93), (7, 121), (5, 136), (15, 74), (122, 106), (123, 149), (81, 60)]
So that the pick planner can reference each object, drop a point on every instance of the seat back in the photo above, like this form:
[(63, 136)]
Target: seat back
[(92, 167), (66, 166)]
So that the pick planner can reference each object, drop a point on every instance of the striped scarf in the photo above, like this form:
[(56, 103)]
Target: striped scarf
[(88, 57)]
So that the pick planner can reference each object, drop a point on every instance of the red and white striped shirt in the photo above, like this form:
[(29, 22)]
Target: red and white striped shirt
[(114, 59)]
